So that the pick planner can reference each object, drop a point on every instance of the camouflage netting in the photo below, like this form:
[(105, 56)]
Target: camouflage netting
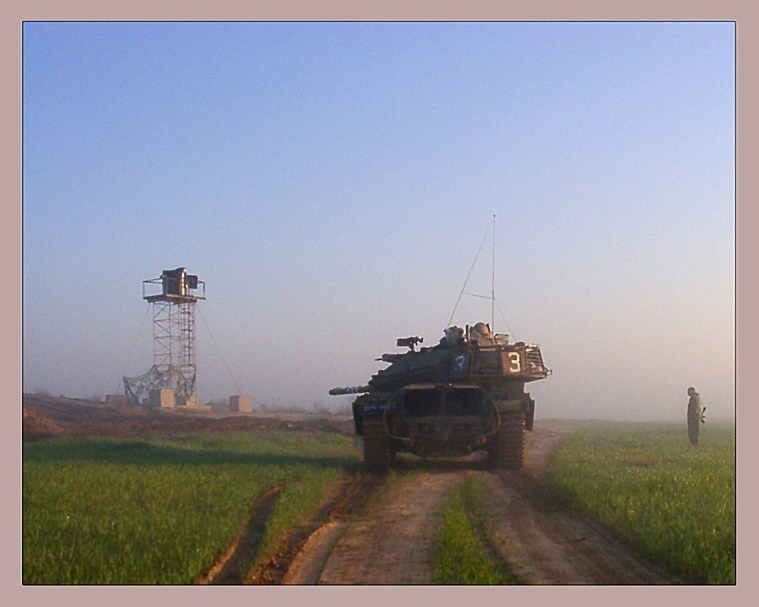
[(137, 389)]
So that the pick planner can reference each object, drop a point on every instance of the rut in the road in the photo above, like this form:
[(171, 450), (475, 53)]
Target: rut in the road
[(300, 558), (544, 543), (232, 566)]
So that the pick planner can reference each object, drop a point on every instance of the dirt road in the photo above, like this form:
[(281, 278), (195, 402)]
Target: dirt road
[(390, 541)]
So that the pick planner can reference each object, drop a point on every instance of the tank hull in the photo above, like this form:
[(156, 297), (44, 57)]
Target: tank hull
[(442, 420)]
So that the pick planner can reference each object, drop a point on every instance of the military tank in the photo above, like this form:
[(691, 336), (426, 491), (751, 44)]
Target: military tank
[(463, 395)]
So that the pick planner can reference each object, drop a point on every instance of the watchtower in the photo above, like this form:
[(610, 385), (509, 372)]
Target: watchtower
[(173, 297)]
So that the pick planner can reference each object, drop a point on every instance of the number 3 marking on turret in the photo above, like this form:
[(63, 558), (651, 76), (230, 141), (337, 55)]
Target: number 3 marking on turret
[(514, 360)]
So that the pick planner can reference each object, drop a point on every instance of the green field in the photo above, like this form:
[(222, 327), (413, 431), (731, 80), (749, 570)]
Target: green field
[(672, 502), (162, 511), (119, 511)]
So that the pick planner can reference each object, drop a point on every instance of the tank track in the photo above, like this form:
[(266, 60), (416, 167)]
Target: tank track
[(378, 453), (507, 452)]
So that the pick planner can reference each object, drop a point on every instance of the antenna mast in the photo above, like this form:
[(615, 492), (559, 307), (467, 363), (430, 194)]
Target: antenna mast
[(492, 288)]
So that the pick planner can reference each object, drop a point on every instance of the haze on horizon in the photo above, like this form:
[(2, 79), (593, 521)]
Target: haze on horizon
[(332, 184)]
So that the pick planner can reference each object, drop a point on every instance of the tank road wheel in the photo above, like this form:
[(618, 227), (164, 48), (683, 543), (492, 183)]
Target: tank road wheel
[(378, 453), (508, 451)]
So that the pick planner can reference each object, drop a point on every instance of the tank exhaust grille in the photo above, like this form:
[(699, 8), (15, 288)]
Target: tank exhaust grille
[(534, 357)]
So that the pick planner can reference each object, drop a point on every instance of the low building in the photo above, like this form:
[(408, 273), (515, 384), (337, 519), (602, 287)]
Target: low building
[(241, 402)]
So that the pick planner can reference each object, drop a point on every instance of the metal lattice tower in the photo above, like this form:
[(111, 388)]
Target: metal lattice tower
[(173, 336)]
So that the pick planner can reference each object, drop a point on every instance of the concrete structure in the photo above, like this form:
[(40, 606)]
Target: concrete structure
[(162, 397), (241, 402)]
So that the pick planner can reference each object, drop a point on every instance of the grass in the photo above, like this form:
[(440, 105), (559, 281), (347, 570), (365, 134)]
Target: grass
[(460, 556), (118, 511), (124, 511), (670, 501)]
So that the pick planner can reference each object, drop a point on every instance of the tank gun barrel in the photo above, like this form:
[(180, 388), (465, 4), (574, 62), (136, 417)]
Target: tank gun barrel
[(350, 390)]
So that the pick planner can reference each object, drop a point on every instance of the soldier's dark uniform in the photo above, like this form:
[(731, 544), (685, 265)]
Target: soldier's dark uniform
[(695, 411)]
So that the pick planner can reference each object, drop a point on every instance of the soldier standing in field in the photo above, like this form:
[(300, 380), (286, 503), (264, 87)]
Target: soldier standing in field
[(695, 415)]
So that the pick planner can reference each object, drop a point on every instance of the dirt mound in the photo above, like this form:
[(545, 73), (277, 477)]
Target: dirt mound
[(38, 427), (48, 417)]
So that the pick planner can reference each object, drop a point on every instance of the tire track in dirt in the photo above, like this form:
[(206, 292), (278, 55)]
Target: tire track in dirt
[(546, 544), (542, 540), (232, 566), (301, 557)]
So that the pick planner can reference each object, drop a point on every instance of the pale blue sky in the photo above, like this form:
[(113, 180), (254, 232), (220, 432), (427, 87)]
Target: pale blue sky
[(332, 183)]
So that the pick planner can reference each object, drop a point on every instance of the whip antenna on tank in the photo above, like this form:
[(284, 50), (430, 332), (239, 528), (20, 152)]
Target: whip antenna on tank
[(492, 285), (467, 279)]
